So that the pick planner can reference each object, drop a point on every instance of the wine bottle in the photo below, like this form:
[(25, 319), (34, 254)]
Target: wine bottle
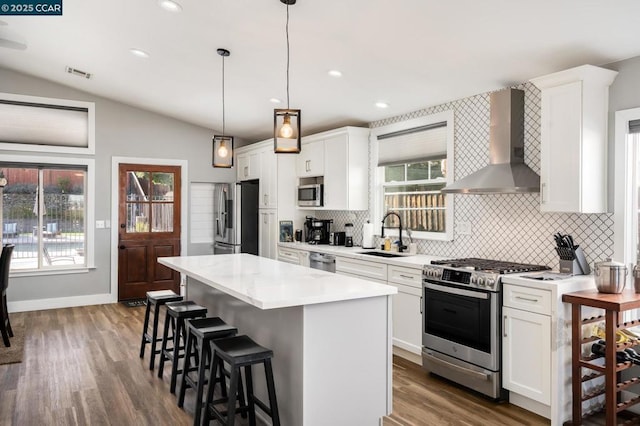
[(621, 356)]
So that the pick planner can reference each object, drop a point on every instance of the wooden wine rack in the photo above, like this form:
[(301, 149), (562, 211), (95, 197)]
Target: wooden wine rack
[(613, 305)]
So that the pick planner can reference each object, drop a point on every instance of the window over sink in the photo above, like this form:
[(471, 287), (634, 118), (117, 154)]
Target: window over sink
[(414, 162)]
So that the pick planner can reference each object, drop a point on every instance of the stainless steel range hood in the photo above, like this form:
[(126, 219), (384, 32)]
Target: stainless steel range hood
[(506, 173)]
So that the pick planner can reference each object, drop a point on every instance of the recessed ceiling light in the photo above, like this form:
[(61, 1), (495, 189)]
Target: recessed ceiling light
[(335, 73), (275, 100), (381, 104), (139, 53), (170, 5)]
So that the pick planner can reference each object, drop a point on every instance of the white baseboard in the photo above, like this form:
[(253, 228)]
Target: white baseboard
[(59, 302)]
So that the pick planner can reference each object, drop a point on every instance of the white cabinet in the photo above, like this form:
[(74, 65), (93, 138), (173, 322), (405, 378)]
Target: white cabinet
[(407, 307), (361, 269), (296, 257), (267, 228), (268, 178), (248, 165), (526, 342), (344, 172), (573, 152), (310, 161)]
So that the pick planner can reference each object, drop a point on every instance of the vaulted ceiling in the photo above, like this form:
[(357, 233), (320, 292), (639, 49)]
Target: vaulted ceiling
[(407, 53)]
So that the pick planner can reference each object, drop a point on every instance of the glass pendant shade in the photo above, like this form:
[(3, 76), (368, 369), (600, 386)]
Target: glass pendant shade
[(223, 151), (286, 125)]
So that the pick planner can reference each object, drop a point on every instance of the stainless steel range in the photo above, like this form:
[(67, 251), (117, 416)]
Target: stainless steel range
[(461, 320)]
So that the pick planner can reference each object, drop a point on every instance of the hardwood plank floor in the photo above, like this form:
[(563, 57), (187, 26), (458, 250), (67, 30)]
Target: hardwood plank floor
[(81, 367)]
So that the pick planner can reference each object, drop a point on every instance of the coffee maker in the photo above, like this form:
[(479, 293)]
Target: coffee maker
[(317, 230)]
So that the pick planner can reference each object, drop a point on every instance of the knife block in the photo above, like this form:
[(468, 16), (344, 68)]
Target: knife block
[(576, 266)]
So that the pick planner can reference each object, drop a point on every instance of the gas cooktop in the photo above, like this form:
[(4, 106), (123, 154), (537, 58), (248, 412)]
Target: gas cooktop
[(489, 265), (484, 274)]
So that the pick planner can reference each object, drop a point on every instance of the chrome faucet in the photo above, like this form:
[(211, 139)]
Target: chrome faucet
[(401, 246)]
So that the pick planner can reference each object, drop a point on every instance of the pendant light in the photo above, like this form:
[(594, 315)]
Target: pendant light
[(223, 144), (286, 122)]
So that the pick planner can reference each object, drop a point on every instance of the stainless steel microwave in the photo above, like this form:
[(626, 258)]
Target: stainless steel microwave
[(310, 195)]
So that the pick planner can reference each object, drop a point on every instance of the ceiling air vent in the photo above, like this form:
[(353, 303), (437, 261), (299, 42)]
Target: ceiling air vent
[(78, 72)]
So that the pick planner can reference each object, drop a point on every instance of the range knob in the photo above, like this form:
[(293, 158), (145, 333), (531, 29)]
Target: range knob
[(481, 282), (491, 282), (474, 280)]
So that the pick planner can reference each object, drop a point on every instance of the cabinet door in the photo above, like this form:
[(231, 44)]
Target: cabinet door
[(248, 165), (242, 171), (310, 162), (560, 152), (407, 318), (526, 354), (268, 233), (336, 176), (268, 179)]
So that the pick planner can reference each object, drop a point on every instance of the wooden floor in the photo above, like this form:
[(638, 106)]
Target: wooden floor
[(81, 367)]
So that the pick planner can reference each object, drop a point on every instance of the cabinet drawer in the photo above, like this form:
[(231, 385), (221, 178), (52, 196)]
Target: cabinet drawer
[(527, 299), (289, 255), (403, 275), (362, 268)]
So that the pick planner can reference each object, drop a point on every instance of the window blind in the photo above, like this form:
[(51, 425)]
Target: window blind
[(413, 145), (634, 126), (43, 124)]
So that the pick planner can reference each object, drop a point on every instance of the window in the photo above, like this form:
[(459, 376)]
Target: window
[(413, 158), (627, 184), (45, 213)]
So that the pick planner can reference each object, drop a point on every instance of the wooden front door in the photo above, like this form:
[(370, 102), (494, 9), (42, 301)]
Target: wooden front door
[(149, 227)]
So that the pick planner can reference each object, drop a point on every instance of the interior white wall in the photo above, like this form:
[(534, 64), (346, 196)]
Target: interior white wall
[(121, 131)]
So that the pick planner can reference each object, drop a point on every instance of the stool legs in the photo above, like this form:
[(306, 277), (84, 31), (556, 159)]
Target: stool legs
[(168, 321), (179, 335), (271, 389), (154, 337), (185, 370), (143, 343)]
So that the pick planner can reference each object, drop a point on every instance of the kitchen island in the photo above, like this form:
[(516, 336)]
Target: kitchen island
[(331, 334)]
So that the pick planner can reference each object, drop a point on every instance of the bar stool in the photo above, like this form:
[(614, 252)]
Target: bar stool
[(177, 313), (200, 333), (238, 352), (157, 299)]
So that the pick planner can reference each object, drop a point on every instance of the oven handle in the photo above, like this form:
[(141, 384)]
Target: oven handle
[(458, 291), (465, 371)]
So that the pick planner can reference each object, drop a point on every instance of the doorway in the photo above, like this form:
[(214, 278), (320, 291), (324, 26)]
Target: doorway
[(148, 227)]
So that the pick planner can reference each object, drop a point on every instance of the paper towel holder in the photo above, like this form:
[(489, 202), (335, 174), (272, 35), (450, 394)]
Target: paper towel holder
[(367, 235)]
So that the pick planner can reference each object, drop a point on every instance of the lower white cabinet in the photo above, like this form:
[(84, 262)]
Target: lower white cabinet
[(362, 269), (268, 239), (296, 257), (526, 343), (407, 318), (526, 353)]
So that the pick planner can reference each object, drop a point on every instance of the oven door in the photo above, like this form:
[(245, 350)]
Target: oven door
[(462, 323)]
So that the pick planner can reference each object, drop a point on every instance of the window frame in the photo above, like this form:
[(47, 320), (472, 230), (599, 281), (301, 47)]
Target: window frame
[(89, 163), (377, 183), (91, 126)]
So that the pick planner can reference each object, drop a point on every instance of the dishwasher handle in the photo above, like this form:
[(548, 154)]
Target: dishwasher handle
[(321, 257)]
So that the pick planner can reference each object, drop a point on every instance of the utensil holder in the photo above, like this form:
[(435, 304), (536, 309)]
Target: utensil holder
[(572, 261)]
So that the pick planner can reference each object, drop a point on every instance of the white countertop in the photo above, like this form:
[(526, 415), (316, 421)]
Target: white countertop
[(269, 284), (569, 284), (408, 260)]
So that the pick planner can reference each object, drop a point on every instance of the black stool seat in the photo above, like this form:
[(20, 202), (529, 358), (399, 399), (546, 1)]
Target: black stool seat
[(200, 333), (155, 299), (239, 352), (177, 312)]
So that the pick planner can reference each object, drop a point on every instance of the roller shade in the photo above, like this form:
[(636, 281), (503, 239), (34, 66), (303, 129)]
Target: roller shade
[(634, 126), (413, 145), (43, 124)]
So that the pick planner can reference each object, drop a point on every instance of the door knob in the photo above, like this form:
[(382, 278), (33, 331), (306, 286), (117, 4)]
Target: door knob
[(122, 225), (121, 247)]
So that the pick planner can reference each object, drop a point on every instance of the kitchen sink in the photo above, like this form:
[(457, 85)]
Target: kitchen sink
[(383, 254)]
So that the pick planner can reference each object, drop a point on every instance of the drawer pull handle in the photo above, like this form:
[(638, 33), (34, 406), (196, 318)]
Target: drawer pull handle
[(409, 277), (504, 326), (527, 299)]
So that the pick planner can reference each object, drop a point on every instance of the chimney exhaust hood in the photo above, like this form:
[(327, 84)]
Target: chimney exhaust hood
[(506, 173)]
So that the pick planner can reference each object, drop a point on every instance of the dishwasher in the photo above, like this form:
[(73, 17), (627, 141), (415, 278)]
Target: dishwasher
[(326, 262)]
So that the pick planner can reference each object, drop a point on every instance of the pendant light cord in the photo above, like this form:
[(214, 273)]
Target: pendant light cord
[(287, 31), (223, 133)]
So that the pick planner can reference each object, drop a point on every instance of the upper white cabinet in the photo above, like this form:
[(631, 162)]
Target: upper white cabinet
[(258, 161), (248, 165), (268, 178), (344, 154), (573, 153), (310, 162)]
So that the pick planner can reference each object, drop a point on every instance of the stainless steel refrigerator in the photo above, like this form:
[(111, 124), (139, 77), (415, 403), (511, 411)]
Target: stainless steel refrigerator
[(235, 217)]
